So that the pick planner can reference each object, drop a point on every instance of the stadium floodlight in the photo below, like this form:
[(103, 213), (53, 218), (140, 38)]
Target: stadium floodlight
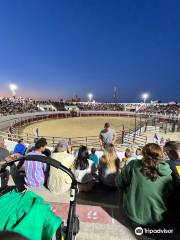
[(90, 97), (13, 88), (145, 97)]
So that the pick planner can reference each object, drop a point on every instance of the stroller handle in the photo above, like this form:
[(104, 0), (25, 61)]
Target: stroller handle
[(73, 221), (43, 159)]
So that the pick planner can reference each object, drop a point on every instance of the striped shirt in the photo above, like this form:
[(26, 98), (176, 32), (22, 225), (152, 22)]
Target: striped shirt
[(35, 176)]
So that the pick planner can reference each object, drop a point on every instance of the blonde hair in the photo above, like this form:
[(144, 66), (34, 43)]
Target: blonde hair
[(110, 157)]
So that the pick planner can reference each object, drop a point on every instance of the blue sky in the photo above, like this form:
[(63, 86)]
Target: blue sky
[(60, 48)]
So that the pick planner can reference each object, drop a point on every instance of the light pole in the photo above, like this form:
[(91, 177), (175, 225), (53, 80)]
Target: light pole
[(145, 97), (13, 88), (90, 97)]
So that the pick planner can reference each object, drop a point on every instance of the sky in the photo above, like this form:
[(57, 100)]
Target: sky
[(59, 48)]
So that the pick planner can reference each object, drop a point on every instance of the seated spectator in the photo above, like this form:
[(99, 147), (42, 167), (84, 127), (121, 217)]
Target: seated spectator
[(84, 170), (172, 149), (4, 153), (35, 171), (127, 154), (146, 185), (31, 147), (94, 157), (139, 153), (20, 147), (109, 166), (59, 182), (127, 157), (69, 149)]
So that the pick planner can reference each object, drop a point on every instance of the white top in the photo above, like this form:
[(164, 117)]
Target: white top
[(85, 176)]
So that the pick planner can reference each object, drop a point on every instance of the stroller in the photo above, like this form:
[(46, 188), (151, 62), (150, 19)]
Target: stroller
[(68, 232)]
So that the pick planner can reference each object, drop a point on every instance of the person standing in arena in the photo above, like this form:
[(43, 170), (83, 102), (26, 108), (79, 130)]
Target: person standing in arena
[(107, 136)]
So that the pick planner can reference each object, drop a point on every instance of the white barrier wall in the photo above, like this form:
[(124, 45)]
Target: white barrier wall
[(11, 145), (6, 121)]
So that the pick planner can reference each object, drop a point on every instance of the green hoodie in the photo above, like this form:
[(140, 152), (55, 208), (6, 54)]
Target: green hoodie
[(27, 214), (144, 201)]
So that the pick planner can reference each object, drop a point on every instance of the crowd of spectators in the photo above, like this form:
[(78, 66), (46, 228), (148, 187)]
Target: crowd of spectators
[(164, 109), (100, 106), (148, 178), (17, 105)]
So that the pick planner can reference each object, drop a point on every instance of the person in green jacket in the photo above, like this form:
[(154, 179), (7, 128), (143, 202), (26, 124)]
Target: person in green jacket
[(146, 185)]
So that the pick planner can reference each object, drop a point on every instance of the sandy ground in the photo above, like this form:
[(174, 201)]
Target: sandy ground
[(77, 127)]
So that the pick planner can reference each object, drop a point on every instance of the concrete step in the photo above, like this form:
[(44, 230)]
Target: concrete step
[(96, 231)]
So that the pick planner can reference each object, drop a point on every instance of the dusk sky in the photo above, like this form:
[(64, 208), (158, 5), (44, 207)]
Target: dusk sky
[(59, 48)]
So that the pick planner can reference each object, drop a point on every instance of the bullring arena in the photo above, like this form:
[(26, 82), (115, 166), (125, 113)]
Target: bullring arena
[(78, 127), (98, 211)]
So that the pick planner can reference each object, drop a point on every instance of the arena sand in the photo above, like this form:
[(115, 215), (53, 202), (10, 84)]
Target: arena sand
[(77, 127)]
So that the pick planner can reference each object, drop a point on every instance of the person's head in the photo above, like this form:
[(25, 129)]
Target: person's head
[(107, 126), (9, 235), (93, 150), (81, 161), (1, 142), (69, 149), (128, 153), (172, 149), (138, 152), (152, 155), (61, 146), (21, 141), (110, 157), (47, 152), (41, 145)]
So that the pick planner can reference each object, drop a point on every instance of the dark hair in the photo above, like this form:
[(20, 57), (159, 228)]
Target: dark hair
[(93, 150), (152, 154), (20, 140), (81, 161), (172, 145), (107, 125), (9, 235), (40, 143), (47, 152)]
